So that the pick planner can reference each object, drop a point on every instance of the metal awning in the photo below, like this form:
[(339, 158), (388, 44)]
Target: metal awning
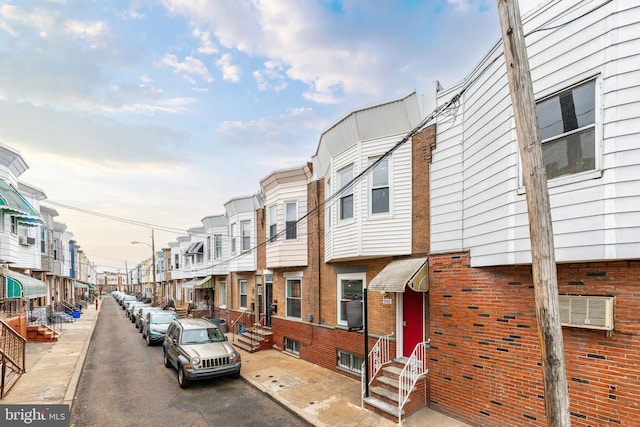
[(400, 273), (78, 285), (195, 248), (91, 287), (195, 283), (13, 203), (207, 284), (19, 285)]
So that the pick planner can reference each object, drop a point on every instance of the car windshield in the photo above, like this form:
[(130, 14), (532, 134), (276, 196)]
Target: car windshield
[(162, 318), (202, 336)]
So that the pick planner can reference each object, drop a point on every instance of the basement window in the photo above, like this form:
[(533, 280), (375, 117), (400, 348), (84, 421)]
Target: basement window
[(292, 346), (350, 362)]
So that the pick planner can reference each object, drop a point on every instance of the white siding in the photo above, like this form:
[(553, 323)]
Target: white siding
[(477, 202), (367, 235), (282, 252)]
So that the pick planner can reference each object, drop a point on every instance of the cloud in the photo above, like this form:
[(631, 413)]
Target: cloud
[(207, 47), (188, 68), (272, 76), (229, 70)]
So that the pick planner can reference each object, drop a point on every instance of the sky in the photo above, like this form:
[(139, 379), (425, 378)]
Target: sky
[(160, 111)]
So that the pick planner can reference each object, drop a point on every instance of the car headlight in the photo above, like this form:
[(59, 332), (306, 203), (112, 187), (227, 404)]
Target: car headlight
[(234, 356), (195, 361)]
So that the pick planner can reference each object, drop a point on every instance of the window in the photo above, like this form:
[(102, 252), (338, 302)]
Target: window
[(222, 290), (346, 199), (217, 242), (349, 362), (209, 247), (273, 223), (568, 130), (294, 298), (292, 346), (43, 243), (242, 284), (380, 187), (291, 210), (246, 235), (350, 288), (233, 238), (14, 225), (176, 261), (55, 249)]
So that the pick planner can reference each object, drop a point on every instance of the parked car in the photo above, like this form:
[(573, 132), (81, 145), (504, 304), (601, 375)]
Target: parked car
[(155, 324), (132, 308), (141, 313), (127, 298), (198, 350)]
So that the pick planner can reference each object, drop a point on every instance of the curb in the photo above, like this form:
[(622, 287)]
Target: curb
[(69, 396)]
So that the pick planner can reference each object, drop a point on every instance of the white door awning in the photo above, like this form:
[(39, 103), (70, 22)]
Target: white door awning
[(400, 273)]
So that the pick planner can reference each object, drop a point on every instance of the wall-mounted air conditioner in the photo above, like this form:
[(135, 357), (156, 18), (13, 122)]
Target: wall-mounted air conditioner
[(31, 240), (583, 311)]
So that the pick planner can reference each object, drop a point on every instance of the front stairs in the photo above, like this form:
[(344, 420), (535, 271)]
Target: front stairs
[(384, 393), (254, 339), (41, 333)]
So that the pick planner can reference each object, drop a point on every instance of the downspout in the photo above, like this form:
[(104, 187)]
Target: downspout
[(320, 234)]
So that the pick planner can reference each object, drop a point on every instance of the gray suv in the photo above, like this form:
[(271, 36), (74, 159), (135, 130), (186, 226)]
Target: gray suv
[(198, 350)]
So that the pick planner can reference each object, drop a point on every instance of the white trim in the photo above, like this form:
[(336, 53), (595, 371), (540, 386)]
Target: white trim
[(339, 279)]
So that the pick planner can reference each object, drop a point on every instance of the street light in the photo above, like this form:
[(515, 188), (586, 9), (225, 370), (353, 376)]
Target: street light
[(153, 261)]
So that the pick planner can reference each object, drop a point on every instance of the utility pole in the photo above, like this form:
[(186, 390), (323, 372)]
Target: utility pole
[(153, 260), (543, 263)]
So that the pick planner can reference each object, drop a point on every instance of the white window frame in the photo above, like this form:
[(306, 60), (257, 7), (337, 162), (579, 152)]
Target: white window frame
[(245, 239), (288, 297), (580, 176), (243, 292), (387, 186), (347, 276), (222, 293), (287, 220), (347, 193), (217, 246), (234, 242), (291, 346), (273, 223)]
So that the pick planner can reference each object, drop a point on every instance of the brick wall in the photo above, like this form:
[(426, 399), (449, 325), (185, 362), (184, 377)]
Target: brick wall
[(484, 359), (422, 145)]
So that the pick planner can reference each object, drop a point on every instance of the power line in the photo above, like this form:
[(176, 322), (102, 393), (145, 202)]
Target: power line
[(118, 219)]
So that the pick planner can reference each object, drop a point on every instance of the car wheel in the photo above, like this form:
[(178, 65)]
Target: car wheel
[(167, 364), (183, 381)]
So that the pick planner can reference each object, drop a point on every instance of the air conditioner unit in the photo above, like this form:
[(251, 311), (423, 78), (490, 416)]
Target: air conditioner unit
[(591, 312), (23, 240), (31, 240)]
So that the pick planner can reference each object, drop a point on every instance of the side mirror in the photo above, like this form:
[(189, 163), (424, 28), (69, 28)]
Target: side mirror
[(226, 338)]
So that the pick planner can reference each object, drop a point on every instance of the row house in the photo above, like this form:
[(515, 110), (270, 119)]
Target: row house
[(38, 256), (402, 231), (485, 356)]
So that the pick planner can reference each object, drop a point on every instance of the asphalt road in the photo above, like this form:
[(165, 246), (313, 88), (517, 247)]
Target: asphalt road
[(124, 383)]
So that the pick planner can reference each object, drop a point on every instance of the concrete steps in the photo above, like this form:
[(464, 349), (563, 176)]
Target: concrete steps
[(41, 333), (384, 393), (254, 340)]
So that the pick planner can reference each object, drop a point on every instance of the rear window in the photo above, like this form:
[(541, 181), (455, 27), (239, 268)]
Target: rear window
[(162, 318)]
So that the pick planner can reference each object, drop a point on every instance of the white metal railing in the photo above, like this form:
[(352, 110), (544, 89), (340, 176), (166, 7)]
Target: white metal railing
[(416, 366), (378, 357)]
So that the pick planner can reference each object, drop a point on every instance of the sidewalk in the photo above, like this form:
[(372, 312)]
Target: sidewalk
[(320, 396)]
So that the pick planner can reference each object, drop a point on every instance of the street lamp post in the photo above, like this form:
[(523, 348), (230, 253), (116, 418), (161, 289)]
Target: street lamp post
[(153, 261)]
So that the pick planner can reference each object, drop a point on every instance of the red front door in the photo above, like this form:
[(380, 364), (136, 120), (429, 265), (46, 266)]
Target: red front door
[(413, 320)]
